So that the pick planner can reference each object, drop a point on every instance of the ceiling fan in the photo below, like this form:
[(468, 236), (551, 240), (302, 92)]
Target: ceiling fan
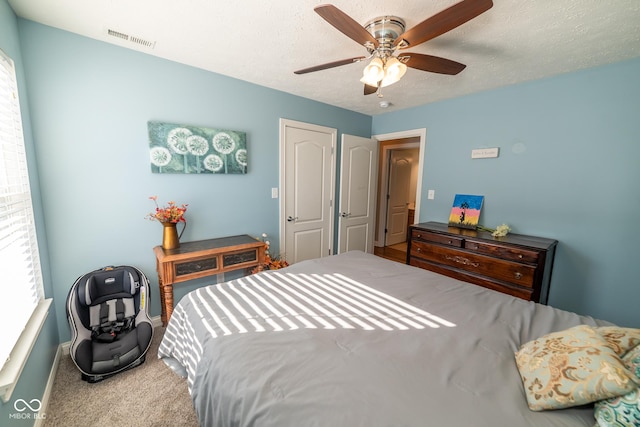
[(385, 38)]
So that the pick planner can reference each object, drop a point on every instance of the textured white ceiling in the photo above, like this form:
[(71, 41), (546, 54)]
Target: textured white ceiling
[(263, 42)]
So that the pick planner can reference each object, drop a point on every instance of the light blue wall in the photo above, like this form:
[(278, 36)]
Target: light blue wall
[(36, 371), (90, 103), (568, 162), (569, 169)]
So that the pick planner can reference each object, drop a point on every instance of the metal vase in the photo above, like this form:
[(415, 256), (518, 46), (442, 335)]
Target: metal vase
[(170, 238)]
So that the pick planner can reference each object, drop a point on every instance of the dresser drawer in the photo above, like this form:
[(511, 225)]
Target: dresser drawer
[(501, 251), (503, 270), (437, 238), (456, 273)]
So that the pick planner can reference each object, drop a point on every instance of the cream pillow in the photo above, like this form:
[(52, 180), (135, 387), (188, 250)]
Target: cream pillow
[(571, 368), (620, 339)]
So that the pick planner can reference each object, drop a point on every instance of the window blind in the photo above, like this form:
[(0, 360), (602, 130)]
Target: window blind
[(20, 274)]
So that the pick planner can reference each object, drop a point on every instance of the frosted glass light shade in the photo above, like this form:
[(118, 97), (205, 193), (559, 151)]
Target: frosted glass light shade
[(373, 73), (394, 70)]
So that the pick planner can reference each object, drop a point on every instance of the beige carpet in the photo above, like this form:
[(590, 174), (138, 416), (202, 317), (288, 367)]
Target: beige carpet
[(148, 395)]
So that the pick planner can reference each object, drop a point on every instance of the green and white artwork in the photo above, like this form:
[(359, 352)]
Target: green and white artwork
[(177, 148)]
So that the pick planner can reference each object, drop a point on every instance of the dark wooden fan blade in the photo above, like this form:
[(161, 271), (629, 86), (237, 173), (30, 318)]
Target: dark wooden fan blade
[(433, 64), (345, 24), (330, 65), (368, 89), (444, 21)]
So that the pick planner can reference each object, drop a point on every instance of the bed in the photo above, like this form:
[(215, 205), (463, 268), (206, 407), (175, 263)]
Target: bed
[(357, 340)]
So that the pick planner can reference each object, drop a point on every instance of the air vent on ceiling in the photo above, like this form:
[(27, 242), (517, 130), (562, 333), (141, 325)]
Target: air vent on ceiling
[(132, 39)]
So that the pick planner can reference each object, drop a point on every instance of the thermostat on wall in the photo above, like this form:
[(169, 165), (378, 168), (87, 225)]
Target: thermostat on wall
[(484, 153)]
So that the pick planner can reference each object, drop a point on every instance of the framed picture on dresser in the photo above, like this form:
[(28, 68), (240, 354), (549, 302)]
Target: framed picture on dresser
[(465, 212)]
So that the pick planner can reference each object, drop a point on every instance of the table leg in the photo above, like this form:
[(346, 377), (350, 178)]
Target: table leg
[(163, 313), (166, 296)]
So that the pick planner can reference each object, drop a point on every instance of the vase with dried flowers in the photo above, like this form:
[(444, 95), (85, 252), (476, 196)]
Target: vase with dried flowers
[(169, 216), (270, 263)]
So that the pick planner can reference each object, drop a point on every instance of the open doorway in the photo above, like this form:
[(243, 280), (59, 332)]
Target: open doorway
[(399, 177)]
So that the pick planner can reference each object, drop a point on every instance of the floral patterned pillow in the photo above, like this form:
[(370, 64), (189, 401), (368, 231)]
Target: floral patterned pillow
[(620, 339), (623, 411), (570, 368)]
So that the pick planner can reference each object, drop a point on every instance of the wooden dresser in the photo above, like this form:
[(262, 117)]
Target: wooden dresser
[(516, 264)]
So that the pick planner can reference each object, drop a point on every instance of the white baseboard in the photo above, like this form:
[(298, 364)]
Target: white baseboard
[(156, 321), (64, 348), (42, 413)]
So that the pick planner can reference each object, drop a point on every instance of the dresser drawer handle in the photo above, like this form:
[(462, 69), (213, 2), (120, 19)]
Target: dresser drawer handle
[(449, 242), (462, 260), (418, 235), (418, 250), (520, 256), (518, 275)]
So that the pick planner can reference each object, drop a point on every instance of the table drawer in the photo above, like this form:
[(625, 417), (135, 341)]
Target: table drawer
[(503, 270), (501, 251), (437, 238), (196, 266), (240, 257)]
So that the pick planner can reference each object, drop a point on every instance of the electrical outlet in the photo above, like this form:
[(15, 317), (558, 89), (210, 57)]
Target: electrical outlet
[(274, 193)]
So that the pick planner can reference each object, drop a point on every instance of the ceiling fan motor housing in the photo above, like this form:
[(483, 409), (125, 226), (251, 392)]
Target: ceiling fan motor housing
[(385, 29)]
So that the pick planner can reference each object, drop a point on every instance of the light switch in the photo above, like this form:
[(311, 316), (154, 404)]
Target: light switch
[(274, 193), (431, 194)]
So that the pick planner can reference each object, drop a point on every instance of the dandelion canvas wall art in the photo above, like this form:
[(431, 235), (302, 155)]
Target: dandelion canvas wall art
[(175, 148), (466, 211)]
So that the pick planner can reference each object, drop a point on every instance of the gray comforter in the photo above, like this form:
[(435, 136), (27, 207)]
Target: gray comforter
[(356, 340)]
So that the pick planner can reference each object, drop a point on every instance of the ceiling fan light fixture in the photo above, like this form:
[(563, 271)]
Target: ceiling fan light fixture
[(373, 73), (393, 71)]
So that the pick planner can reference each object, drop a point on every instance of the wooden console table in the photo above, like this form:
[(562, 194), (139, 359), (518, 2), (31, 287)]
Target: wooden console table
[(202, 258)]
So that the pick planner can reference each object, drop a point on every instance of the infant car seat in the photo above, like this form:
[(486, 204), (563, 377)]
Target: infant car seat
[(108, 313)]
